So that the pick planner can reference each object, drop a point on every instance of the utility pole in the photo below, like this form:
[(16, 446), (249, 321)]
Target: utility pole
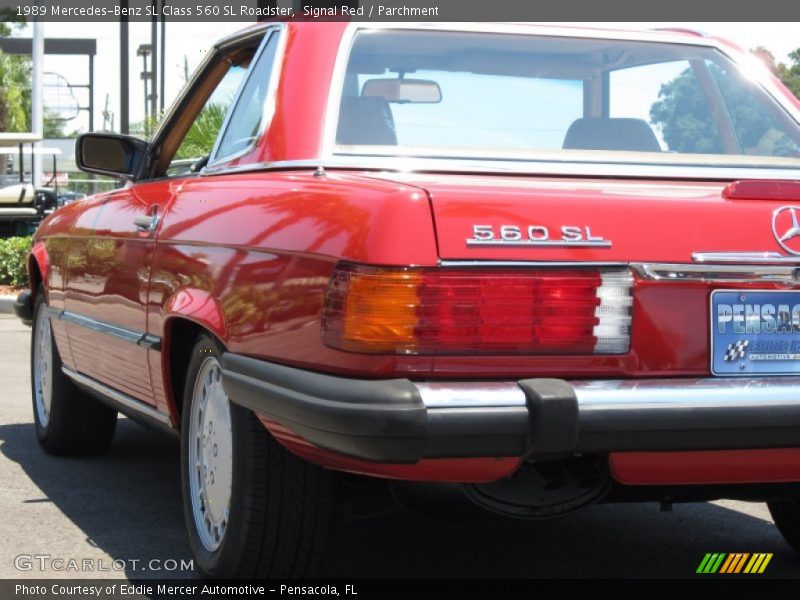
[(144, 51), (163, 68), (124, 75), (37, 101), (154, 60)]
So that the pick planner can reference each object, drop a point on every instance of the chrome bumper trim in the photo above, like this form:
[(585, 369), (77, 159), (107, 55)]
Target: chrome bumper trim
[(625, 393), (645, 415), (471, 395), (710, 392)]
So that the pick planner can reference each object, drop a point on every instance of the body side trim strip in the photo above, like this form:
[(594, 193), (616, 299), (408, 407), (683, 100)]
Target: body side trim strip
[(134, 337)]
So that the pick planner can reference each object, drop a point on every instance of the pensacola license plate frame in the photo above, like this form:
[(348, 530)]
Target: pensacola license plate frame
[(770, 368)]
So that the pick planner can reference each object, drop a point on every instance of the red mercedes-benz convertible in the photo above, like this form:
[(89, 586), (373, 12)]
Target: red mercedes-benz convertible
[(534, 267)]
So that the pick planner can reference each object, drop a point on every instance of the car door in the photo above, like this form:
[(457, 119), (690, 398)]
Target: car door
[(107, 279), (113, 244), (186, 257)]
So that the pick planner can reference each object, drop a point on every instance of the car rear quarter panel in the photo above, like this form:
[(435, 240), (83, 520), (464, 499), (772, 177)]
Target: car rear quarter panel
[(248, 257)]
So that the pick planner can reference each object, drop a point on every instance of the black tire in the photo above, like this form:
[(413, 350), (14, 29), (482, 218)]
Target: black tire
[(77, 423), (281, 508), (787, 519)]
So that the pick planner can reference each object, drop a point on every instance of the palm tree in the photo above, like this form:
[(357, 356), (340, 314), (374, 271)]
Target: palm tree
[(201, 136)]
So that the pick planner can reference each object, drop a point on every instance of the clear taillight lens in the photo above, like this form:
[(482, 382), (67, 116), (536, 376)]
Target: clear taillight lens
[(478, 311)]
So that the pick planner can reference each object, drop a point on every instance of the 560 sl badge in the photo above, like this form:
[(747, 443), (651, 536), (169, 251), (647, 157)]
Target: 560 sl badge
[(535, 235)]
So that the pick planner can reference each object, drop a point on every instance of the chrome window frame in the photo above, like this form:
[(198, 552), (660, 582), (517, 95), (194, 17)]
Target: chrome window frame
[(268, 108), (329, 157)]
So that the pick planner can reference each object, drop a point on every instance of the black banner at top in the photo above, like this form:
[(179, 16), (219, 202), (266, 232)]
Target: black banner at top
[(400, 10)]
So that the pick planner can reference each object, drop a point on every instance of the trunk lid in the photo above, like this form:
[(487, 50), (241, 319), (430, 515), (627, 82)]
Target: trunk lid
[(514, 218)]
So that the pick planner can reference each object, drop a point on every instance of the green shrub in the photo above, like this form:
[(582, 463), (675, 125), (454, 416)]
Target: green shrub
[(14, 261)]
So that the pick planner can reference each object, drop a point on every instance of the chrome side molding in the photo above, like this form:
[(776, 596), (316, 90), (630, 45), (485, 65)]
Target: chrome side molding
[(139, 338)]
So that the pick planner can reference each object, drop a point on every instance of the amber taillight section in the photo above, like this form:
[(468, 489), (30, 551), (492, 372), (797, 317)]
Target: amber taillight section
[(478, 311)]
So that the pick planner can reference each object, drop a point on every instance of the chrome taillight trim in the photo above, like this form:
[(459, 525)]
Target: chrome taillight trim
[(786, 272)]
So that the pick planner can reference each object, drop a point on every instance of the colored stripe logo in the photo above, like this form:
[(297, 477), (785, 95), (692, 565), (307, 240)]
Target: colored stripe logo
[(734, 563)]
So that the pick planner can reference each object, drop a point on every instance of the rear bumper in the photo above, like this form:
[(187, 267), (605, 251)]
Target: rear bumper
[(23, 307), (399, 421)]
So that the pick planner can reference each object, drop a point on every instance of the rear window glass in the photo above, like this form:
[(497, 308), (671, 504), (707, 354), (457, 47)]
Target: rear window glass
[(468, 94)]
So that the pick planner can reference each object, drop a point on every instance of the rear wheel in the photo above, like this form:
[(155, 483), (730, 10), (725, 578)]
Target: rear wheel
[(252, 509), (67, 420), (787, 519)]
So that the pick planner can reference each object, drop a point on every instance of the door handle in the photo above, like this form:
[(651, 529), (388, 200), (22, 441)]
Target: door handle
[(146, 223)]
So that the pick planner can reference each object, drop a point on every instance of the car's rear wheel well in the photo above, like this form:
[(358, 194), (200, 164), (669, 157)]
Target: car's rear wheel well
[(181, 335), (35, 276)]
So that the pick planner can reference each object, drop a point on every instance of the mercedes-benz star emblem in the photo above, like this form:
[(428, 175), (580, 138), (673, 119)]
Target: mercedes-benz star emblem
[(786, 228)]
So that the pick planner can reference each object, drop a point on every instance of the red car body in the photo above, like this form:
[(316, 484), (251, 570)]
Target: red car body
[(247, 253)]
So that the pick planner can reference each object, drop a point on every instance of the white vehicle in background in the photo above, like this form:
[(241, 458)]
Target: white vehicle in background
[(21, 206)]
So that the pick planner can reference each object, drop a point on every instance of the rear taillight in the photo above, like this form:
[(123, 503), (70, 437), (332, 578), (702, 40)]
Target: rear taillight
[(478, 311)]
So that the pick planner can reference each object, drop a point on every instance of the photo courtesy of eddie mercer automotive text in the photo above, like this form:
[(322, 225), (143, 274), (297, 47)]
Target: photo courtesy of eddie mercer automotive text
[(517, 269)]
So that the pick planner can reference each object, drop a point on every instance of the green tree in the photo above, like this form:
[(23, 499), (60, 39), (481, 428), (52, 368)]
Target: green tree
[(790, 74), (201, 136), (53, 126), (15, 93), (683, 114), (15, 90)]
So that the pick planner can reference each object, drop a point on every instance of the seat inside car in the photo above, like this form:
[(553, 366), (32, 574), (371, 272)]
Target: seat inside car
[(366, 121), (633, 135)]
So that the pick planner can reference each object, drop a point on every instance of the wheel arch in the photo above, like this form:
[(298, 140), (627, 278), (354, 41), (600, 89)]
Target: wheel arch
[(38, 267), (189, 314)]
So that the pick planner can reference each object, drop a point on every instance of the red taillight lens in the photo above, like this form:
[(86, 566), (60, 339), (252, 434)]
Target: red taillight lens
[(507, 311), (478, 311)]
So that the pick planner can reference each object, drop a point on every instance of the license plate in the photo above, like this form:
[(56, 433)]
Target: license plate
[(755, 333)]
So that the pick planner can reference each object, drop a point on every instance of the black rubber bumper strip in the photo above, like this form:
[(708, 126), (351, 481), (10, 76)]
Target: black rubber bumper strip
[(376, 420), (23, 306), (688, 428), (388, 421)]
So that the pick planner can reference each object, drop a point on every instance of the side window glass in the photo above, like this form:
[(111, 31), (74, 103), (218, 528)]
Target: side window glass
[(200, 138), (245, 120)]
